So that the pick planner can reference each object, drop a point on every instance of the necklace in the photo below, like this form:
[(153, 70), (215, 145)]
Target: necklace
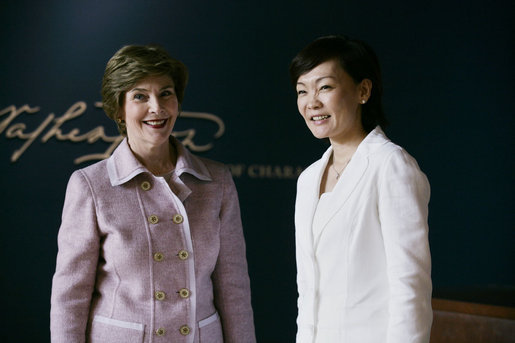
[(336, 171)]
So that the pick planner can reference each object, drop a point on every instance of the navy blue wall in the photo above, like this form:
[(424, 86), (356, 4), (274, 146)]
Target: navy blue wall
[(448, 71)]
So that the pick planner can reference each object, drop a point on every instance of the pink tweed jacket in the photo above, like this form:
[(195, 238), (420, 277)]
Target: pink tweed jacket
[(141, 262)]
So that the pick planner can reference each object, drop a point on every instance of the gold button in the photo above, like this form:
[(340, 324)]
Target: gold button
[(145, 185), (177, 219), (160, 295), (184, 293), (183, 255), (158, 257), (160, 332), (153, 219), (185, 330)]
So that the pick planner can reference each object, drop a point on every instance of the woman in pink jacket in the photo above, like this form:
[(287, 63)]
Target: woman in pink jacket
[(151, 247)]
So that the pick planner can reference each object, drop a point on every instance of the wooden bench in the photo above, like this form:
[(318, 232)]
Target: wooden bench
[(464, 322)]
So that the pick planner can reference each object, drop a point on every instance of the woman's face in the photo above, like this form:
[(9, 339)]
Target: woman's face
[(150, 110), (329, 100)]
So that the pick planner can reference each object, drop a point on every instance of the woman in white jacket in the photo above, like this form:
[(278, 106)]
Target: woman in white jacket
[(363, 260)]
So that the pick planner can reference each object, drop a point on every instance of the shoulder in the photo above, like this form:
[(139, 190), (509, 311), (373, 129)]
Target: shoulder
[(202, 168), (315, 168), (308, 175), (391, 163), (99, 167), (396, 158), (399, 172), (384, 153), (217, 170), (310, 170), (212, 165), (90, 175)]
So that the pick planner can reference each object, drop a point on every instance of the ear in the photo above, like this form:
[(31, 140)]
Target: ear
[(120, 114), (365, 90)]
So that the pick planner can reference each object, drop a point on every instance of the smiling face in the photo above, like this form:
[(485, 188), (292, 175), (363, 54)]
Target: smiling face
[(150, 110), (330, 101)]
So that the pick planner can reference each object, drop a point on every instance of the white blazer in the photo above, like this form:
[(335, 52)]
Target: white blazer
[(366, 276)]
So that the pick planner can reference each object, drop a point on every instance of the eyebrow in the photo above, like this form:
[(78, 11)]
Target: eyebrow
[(319, 79), (146, 90)]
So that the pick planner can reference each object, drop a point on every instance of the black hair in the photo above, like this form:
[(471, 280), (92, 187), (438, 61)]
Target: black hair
[(357, 59)]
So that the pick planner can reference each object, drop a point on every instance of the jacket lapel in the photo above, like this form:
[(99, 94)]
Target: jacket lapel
[(351, 176), (306, 203), (122, 166), (346, 185)]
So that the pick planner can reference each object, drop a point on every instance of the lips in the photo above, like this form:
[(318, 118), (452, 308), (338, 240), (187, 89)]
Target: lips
[(156, 124), (320, 117)]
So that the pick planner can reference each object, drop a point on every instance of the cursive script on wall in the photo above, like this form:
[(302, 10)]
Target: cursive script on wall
[(55, 130)]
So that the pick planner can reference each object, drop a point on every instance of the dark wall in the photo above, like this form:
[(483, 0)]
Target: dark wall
[(448, 73)]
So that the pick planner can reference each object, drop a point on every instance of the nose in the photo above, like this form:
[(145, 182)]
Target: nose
[(313, 101), (154, 105)]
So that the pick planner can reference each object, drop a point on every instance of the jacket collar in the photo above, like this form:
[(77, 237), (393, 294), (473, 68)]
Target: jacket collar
[(368, 146), (123, 166), (372, 142)]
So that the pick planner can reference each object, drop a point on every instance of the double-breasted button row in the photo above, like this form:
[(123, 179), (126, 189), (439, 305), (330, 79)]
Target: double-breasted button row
[(177, 219), (158, 257)]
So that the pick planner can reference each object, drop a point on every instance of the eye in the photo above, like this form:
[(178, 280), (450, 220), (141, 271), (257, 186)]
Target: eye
[(301, 92), (325, 87), (139, 96), (167, 92)]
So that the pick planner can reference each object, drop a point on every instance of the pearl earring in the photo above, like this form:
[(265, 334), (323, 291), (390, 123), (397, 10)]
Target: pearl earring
[(363, 101)]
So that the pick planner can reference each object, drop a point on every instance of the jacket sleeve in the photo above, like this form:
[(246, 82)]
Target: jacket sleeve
[(77, 258), (403, 209), (230, 278)]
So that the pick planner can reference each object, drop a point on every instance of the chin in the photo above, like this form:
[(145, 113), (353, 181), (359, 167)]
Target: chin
[(319, 135)]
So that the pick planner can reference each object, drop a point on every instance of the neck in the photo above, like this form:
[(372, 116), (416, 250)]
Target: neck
[(344, 148), (158, 160)]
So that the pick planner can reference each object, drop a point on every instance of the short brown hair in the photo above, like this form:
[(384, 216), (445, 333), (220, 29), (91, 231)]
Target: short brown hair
[(133, 63)]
